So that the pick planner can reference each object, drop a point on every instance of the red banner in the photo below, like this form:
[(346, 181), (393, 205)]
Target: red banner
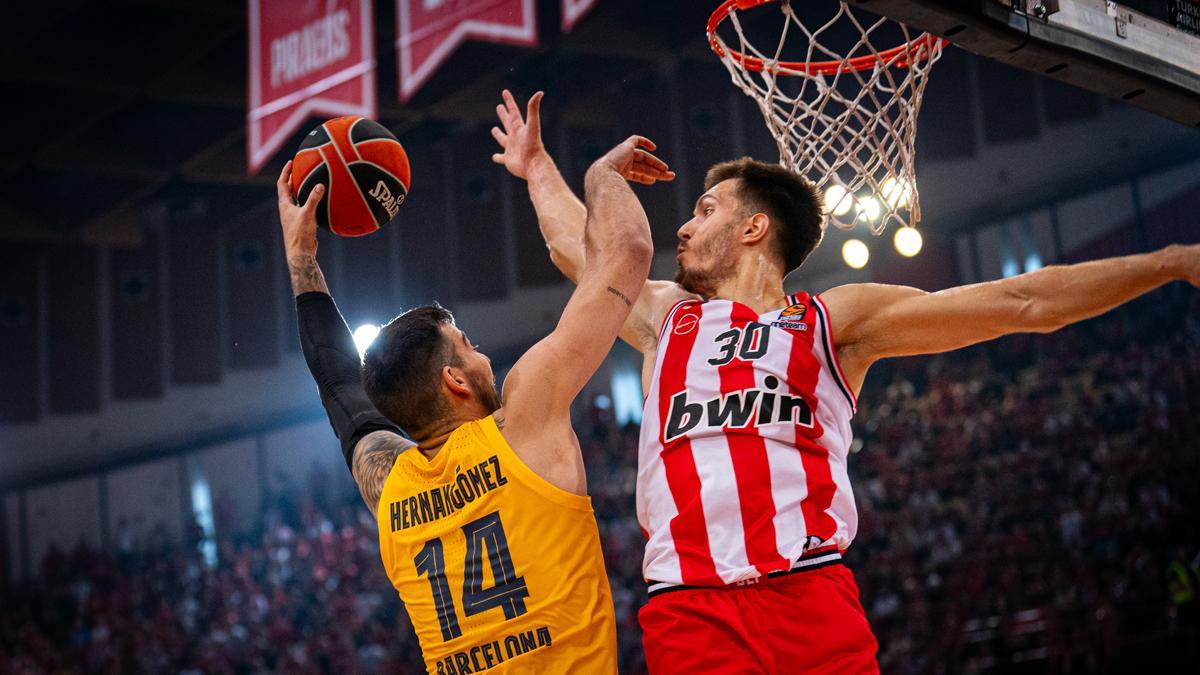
[(428, 31), (307, 57), (573, 11)]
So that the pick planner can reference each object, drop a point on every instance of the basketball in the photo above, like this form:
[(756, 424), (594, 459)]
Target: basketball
[(364, 169)]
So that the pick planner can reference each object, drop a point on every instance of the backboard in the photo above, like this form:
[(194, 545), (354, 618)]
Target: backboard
[(1148, 57)]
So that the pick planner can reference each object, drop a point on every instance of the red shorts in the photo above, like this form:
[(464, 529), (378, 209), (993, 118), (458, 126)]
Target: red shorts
[(807, 621)]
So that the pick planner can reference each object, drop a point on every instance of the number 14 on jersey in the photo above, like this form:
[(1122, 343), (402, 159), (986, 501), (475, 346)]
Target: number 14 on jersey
[(484, 535)]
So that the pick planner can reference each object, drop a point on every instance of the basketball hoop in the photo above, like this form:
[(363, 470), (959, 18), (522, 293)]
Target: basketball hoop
[(850, 121)]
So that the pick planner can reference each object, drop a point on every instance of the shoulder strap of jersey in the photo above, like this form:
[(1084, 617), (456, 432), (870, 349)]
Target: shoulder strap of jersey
[(831, 352), (797, 298)]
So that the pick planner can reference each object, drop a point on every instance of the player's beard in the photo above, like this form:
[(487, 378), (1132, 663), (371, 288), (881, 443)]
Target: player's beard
[(718, 264), (485, 384)]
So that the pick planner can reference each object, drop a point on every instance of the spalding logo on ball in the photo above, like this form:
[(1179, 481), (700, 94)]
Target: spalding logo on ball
[(364, 170)]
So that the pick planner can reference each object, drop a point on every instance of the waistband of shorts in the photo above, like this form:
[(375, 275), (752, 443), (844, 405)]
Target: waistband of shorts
[(814, 559)]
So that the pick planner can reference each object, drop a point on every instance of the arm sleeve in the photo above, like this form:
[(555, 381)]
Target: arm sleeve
[(334, 363)]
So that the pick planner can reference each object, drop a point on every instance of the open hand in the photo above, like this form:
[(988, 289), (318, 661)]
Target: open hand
[(299, 222), (632, 159), (521, 139)]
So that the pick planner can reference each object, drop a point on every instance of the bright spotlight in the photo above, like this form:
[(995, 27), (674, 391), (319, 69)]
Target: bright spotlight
[(364, 335), (895, 192), (838, 200), (869, 209), (907, 241), (855, 253)]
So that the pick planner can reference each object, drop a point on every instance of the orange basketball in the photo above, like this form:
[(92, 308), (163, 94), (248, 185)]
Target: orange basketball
[(364, 170)]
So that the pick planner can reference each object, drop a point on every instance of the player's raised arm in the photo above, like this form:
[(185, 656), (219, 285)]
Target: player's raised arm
[(370, 443), (562, 217), (546, 379), (874, 321)]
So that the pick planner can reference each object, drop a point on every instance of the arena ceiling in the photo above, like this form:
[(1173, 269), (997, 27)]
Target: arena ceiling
[(120, 104), (117, 103)]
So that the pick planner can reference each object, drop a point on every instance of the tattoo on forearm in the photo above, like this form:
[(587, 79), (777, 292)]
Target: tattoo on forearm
[(306, 274), (620, 295), (373, 460)]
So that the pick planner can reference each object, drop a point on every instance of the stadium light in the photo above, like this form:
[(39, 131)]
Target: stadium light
[(364, 335), (908, 241), (837, 200), (869, 209), (896, 193), (855, 253)]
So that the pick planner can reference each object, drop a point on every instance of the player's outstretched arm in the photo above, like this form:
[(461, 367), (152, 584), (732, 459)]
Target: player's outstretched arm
[(299, 224), (541, 385), (874, 321), (370, 443), (562, 217)]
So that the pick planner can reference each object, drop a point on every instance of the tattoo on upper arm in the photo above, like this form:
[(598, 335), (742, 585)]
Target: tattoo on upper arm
[(499, 421), (373, 459), (306, 274), (620, 295)]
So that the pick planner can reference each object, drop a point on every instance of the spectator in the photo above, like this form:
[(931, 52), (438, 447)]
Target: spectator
[(1029, 506)]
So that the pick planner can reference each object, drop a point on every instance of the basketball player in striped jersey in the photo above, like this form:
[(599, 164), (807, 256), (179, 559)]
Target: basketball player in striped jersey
[(742, 490), (485, 527)]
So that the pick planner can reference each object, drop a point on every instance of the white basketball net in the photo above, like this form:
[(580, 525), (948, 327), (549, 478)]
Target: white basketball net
[(851, 130)]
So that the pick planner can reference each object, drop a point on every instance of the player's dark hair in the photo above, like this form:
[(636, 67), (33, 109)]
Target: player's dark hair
[(791, 202), (402, 367)]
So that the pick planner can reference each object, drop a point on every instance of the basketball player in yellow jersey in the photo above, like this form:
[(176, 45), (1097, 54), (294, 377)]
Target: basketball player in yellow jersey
[(485, 527)]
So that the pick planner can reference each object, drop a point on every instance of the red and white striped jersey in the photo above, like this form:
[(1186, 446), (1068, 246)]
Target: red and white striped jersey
[(745, 434)]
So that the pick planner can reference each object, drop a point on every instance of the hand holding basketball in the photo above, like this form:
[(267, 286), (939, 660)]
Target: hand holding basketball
[(632, 159), (299, 221), (364, 169)]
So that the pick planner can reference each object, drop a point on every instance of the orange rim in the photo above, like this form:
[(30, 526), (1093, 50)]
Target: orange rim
[(907, 53)]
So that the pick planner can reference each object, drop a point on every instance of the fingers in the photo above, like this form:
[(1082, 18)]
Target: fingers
[(641, 142), (498, 158), (502, 113), (649, 178), (500, 137), (646, 166), (283, 186), (665, 176), (314, 198), (533, 110), (511, 104), (649, 160)]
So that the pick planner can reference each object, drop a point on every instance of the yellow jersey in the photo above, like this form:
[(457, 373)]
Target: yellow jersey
[(500, 571)]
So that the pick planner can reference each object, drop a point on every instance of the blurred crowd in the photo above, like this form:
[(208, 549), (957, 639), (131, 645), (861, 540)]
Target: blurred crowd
[(1027, 506), (1031, 505), (305, 594)]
